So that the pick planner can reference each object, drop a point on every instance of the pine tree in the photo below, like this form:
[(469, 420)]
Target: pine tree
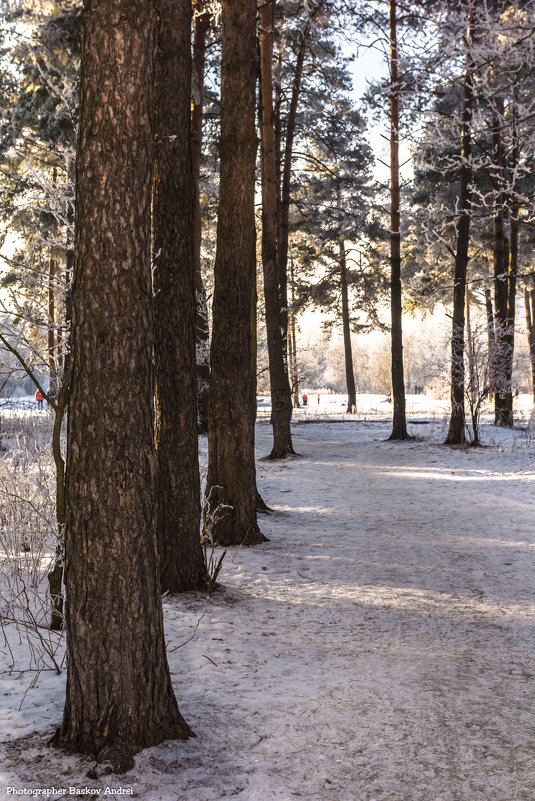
[(231, 481), (119, 704), (456, 430), (281, 403), (181, 559), (201, 25)]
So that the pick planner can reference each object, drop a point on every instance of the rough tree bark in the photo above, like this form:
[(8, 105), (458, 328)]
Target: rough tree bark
[(281, 399), (231, 481), (399, 425), (179, 511), (119, 704), (202, 329), (456, 431)]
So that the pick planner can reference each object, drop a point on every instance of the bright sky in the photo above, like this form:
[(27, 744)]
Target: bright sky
[(369, 66)]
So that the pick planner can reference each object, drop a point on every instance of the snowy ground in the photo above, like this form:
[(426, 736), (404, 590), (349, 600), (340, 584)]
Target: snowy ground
[(378, 648)]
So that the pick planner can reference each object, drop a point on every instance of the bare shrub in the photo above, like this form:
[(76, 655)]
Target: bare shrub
[(212, 561), (28, 540)]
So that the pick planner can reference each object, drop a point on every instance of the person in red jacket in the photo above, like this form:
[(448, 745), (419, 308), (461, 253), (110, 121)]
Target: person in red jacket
[(39, 399)]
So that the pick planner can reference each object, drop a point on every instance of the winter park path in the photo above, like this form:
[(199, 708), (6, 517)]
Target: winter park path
[(378, 648)]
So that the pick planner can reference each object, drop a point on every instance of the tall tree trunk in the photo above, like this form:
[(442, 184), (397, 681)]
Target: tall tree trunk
[(231, 481), (348, 351), (202, 329), (286, 177), (502, 416), (456, 431), (281, 399), (179, 511), (119, 704), (529, 305), (399, 426), (294, 371), (315, 8)]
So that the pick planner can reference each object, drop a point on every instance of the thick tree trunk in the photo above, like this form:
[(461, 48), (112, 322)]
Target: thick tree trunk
[(202, 329), (119, 704), (348, 352), (399, 426), (456, 431), (231, 481), (281, 400), (179, 511)]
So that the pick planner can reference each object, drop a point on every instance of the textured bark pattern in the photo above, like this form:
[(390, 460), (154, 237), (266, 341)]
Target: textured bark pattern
[(179, 514), (119, 696), (399, 426), (456, 431), (202, 330), (281, 399), (231, 466)]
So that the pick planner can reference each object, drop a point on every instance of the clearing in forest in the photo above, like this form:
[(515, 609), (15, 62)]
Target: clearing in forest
[(379, 647)]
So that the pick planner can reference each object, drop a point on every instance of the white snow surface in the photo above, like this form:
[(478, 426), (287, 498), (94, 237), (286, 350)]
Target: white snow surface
[(378, 648)]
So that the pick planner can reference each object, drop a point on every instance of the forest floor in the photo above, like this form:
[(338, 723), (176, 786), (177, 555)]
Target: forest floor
[(378, 648)]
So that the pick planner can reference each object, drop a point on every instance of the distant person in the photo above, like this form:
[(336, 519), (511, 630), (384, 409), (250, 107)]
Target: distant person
[(39, 398), (305, 400), (318, 400)]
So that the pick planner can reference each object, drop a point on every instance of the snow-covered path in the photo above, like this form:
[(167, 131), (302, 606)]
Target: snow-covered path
[(378, 648)]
